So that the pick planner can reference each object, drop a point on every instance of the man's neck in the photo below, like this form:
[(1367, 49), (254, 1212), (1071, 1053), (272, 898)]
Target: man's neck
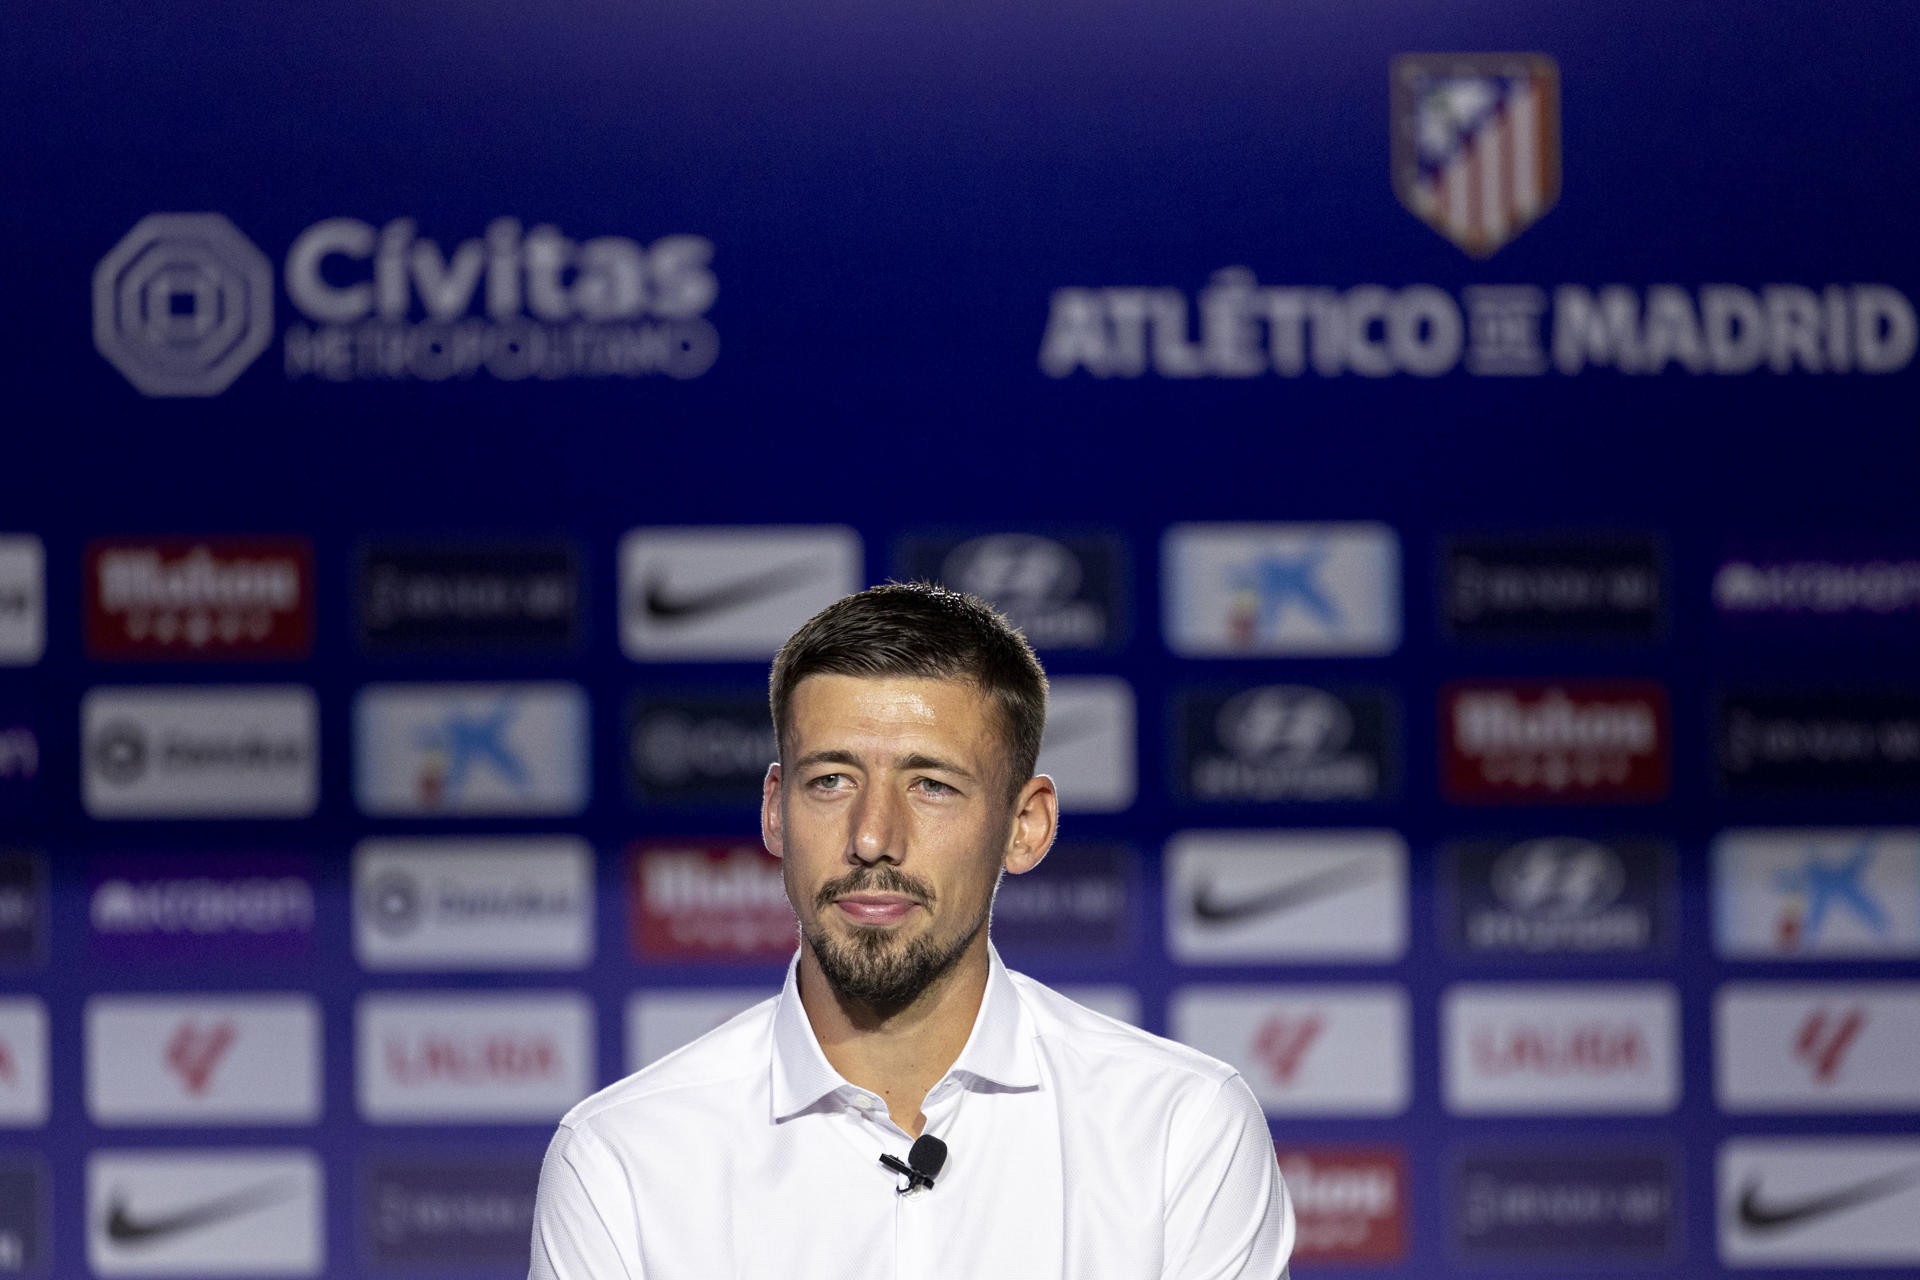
[(902, 1054)]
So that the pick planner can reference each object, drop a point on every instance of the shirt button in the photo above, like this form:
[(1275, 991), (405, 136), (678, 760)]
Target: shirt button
[(863, 1101)]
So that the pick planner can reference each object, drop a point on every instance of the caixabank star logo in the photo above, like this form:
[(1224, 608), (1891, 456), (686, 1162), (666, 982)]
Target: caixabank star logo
[(183, 304), (1476, 143)]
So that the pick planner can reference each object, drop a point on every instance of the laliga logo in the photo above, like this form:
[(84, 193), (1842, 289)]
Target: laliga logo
[(183, 304)]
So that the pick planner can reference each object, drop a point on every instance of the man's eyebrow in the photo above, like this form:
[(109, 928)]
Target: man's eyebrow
[(828, 757), (935, 763)]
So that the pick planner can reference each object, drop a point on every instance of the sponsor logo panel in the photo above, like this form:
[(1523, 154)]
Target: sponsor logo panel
[(729, 593), (23, 1062), (215, 1060), (1566, 741), (208, 752), (1089, 745), (19, 760), (717, 899), (1063, 592), (1779, 741), (1349, 1203), (1817, 1047), (473, 1208), (1605, 1048), (471, 749), (422, 597), (1819, 1202), (211, 599), (1592, 587), (1083, 898), (23, 600), (1305, 1050), (207, 1212), (1285, 744), (233, 907), (23, 909), (1326, 896), (1305, 590), (707, 748), (1817, 583), (1476, 143), (499, 903), (1560, 895), (1592, 1207), (23, 1216), (1817, 893), (501, 1057), (659, 1022)]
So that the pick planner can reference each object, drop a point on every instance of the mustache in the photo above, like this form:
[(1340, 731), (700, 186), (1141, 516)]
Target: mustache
[(874, 879)]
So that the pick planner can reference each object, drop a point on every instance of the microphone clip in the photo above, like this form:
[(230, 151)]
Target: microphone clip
[(916, 1180)]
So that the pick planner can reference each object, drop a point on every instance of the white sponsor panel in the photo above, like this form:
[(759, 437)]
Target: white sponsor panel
[(1307, 590), (23, 1062), (1321, 896), (471, 749), (496, 903), (1111, 998), (659, 1022), (23, 600), (1305, 1050), (729, 593), (1820, 1202), (1088, 749), (212, 1212), (200, 752), (203, 1059), (1527, 1049), (1801, 1046), (522, 1056), (1816, 893)]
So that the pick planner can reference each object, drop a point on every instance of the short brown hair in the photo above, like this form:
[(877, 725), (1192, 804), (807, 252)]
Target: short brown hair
[(919, 629)]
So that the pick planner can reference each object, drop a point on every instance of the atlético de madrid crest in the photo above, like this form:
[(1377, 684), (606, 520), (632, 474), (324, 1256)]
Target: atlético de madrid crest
[(1476, 143)]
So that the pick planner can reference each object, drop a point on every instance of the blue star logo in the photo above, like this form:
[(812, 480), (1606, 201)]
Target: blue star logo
[(1826, 885), (1279, 581), (470, 740)]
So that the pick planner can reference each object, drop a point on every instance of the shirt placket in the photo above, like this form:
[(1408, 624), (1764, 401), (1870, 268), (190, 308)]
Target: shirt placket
[(917, 1248)]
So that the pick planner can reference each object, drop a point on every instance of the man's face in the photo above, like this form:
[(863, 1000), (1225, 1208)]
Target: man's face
[(891, 818)]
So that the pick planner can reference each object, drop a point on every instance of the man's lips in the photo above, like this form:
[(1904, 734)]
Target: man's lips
[(875, 908)]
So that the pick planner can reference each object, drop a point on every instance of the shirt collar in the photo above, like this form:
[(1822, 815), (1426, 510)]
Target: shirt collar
[(999, 1054)]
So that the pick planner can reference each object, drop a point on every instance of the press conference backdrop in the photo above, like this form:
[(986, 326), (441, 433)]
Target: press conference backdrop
[(1457, 462)]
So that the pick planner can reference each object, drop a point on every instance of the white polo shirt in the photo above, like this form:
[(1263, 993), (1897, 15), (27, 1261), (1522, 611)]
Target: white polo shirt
[(1078, 1148)]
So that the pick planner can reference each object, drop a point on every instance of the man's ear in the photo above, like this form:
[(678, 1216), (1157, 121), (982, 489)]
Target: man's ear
[(1036, 817), (770, 833)]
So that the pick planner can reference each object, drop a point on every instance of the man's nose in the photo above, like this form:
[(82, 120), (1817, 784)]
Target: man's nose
[(877, 829)]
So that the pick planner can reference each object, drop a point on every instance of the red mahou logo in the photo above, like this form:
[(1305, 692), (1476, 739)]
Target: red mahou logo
[(1570, 741), (708, 900), (1350, 1203), (215, 599)]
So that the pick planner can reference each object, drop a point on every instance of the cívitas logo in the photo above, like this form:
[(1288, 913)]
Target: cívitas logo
[(1580, 1207), (708, 900), (422, 597), (1350, 1203), (214, 599), (1567, 741), (473, 1207)]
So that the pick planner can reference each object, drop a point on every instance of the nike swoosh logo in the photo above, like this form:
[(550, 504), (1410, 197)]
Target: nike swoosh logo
[(1211, 909), (665, 605), (1772, 1217), (124, 1228)]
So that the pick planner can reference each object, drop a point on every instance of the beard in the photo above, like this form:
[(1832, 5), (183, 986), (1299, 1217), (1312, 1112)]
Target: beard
[(873, 967)]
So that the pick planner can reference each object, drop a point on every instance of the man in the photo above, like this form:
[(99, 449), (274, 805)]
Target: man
[(908, 719)]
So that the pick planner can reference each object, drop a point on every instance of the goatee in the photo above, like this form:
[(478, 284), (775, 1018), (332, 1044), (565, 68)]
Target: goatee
[(872, 967)]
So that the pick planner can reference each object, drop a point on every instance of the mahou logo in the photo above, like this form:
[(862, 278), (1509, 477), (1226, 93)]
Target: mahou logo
[(1572, 741), (507, 1056), (205, 598), (1350, 1203), (708, 900)]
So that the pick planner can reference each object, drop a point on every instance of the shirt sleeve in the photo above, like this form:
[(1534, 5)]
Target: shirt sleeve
[(1228, 1216), (571, 1238)]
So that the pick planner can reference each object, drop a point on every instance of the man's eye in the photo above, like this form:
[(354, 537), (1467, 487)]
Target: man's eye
[(829, 781), (935, 787)]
